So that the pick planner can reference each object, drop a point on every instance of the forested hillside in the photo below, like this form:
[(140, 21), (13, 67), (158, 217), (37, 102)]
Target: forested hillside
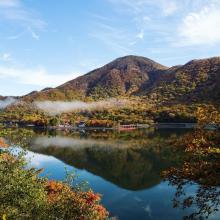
[(152, 93), (131, 75)]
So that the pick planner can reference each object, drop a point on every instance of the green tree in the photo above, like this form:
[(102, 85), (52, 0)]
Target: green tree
[(54, 121)]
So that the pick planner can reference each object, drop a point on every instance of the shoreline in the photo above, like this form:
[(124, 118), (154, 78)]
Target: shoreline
[(163, 125)]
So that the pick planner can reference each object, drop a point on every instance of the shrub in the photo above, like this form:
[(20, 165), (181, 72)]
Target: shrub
[(24, 195)]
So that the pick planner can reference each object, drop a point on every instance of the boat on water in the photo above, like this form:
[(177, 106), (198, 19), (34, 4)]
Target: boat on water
[(127, 127)]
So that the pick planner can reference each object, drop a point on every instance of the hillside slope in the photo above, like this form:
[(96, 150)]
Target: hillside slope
[(132, 75), (123, 76), (198, 80)]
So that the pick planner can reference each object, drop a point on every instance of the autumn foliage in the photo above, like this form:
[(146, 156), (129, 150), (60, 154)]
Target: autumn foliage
[(2, 143), (84, 205), (201, 166), (24, 195)]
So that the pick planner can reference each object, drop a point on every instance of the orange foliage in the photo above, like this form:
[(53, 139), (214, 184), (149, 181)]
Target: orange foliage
[(60, 193), (90, 197), (54, 186), (7, 158), (2, 143)]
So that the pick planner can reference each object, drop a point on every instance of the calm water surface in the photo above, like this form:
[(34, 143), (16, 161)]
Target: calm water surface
[(124, 167)]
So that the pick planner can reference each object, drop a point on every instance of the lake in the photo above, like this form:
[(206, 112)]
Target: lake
[(125, 167)]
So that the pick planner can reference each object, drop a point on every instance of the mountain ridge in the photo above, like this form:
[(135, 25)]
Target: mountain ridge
[(136, 75)]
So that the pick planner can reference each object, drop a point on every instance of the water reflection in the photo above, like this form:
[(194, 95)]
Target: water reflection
[(131, 165), (202, 166), (124, 167)]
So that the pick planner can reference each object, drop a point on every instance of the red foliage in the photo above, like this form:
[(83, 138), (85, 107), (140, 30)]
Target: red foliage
[(85, 203)]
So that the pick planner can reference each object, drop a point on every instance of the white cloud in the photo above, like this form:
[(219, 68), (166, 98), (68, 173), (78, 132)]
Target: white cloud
[(145, 14), (38, 160), (140, 35), (14, 11), (167, 7), (175, 23), (9, 3), (33, 34), (6, 57), (37, 77), (202, 27)]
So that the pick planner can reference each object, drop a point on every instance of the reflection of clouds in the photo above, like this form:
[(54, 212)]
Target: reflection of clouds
[(138, 199), (34, 159), (148, 210), (37, 160), (120, 197), (64, 142)]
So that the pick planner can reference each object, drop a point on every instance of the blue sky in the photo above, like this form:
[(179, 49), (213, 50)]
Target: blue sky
[(45, 43)]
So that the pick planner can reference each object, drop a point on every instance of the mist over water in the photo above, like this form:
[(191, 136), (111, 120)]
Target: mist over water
[(58, 107), (75, 143)]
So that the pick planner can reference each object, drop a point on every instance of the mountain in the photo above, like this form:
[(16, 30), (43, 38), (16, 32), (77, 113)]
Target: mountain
[(123, 76), (197, 80), (140, 76)]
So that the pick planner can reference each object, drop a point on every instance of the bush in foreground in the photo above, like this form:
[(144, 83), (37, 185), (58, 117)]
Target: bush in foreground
[(24, 195)]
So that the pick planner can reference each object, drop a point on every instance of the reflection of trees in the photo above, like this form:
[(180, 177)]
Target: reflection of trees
[(206, 200), (202, 166), (19, 137), (132, 168), (132, 160)]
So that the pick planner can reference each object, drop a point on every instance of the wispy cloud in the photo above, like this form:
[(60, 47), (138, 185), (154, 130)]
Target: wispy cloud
[(114, 38), (100, 17), (146, 15), (36, 77), (167, 7), (14, 11), (176, 23), (9, 3), (14, 72), (6, 57), (16, 36), (33, 34)]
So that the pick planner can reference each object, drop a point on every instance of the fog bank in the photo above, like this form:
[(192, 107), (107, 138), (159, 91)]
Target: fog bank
[(58, 107), (76, 143), (6, 102)]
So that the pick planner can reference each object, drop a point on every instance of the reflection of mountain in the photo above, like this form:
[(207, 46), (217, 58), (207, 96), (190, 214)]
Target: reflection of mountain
[(133, 168)]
